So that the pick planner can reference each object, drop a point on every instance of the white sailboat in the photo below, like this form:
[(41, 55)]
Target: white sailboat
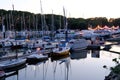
[(60, 52), (77, 44)]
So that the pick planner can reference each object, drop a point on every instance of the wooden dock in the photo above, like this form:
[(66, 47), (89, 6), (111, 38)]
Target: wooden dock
[(99, 47), (113, 51)]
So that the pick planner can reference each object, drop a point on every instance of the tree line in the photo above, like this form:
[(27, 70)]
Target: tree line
[(23, 20)]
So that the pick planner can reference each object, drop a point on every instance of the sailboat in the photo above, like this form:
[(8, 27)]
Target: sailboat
[(61, 50), (77, 45), (36, 57), (12, 63), (9, 64), (5, 42), (17, 43)]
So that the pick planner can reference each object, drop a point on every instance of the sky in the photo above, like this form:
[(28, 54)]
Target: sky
[(73, 8)]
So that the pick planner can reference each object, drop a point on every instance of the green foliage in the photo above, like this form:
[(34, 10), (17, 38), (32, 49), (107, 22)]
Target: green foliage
[(116, 22), (78, 23), (22, 20), (102, 21), (116, 69)]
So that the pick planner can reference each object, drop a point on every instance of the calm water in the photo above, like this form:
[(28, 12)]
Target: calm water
[(84, 65)]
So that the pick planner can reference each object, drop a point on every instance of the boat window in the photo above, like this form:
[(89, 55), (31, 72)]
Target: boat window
[(71, 42), (37, 42), (60, 49), (49, 44)]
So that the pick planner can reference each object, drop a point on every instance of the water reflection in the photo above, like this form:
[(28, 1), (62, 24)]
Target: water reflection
[(37, 71), (13, 73), (65, 62), (79, 55), (83, 54), (83, 65), (95, 53)]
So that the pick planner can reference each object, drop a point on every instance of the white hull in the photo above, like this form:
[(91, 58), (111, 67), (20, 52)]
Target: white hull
[(12, 63), (79, 44), (61, 50)]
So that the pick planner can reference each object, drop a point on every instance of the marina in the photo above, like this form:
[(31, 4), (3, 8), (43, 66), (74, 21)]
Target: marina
[(57, 46), (77, 66), (63, 58)]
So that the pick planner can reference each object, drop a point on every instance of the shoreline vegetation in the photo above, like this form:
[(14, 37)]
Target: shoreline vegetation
[(23, 20), (114, 74), (115, 71)]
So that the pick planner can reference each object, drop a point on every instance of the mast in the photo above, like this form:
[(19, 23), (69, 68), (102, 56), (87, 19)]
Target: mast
[(7, 22), (3, 27), (33, 24), (65, 19), (29, 23), (9, 19), (14, 28), (36, 25), (52, 30), (65, 25), (24, 21), (29, 29), (13, 21), (41, 18), (21, 22), (60, 22), (43, 21)]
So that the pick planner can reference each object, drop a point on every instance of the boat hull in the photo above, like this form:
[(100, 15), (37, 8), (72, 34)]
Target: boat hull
[(77, 49), (13, 64), (93, 47), (62, 54), (16, 68), (78, 44), (58, 58), (35, 60)]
